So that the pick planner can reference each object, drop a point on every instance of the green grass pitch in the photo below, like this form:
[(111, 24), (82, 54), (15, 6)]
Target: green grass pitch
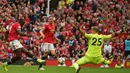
[(52, 69)]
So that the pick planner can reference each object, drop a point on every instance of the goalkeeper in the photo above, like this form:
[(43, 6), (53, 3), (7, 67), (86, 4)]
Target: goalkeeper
[(94, 52)]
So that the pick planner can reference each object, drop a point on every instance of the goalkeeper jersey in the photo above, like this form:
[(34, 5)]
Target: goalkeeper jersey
[(95, 42)]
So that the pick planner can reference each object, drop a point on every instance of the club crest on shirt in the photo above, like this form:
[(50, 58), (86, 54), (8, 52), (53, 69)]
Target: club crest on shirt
[(16, 46)]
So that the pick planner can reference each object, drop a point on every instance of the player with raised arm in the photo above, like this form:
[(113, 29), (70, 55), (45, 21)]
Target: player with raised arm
[(13, 32), (94, 52), (48, 34)]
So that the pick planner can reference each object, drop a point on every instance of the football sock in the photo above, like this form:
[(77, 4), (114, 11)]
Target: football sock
[(107, 62), (43, 58), (34, 58), (30, 55), (76, 66), (13, 60)]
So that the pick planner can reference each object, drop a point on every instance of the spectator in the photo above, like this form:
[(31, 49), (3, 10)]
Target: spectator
[(71, 46), (127, 47), (43, 10), (107, 47), (61, 4), (69, 2), (119, 63)]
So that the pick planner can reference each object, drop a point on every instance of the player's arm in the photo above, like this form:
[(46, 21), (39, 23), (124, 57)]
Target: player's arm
[(6, 35), (80, 30), (41, 32), (114, 33), (22, 33), (57, 39), (83, 32), (105, 37)]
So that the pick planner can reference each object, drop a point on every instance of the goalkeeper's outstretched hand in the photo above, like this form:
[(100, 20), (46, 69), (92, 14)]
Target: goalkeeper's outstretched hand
[(78, 28), (115, 33), (75, 26)]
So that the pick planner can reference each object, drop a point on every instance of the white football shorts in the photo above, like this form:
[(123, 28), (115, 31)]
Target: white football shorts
[(46, 47), (15, 44)]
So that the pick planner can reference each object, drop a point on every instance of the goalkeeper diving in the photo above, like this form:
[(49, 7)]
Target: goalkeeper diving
[(94, 52)]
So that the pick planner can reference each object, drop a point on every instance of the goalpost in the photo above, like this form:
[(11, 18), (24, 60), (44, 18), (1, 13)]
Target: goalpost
[(48, 8)]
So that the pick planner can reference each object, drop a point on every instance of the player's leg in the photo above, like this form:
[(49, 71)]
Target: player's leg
[(126, 53), (17, 57), (54, 54), (107, 62), (44, 57), (31, 55), (16, 46), (104, 61), (79, 62), (45, 50), (14, 59), (52, 50)]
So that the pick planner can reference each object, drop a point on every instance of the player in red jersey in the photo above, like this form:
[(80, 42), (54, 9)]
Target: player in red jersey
[(48, 34), (14, 30)]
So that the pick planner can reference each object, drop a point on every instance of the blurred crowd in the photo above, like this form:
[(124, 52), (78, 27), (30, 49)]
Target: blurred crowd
[(31, 14)]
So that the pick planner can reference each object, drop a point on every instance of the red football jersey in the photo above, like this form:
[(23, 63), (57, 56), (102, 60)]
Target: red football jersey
[(12, 28), (49, 33)]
